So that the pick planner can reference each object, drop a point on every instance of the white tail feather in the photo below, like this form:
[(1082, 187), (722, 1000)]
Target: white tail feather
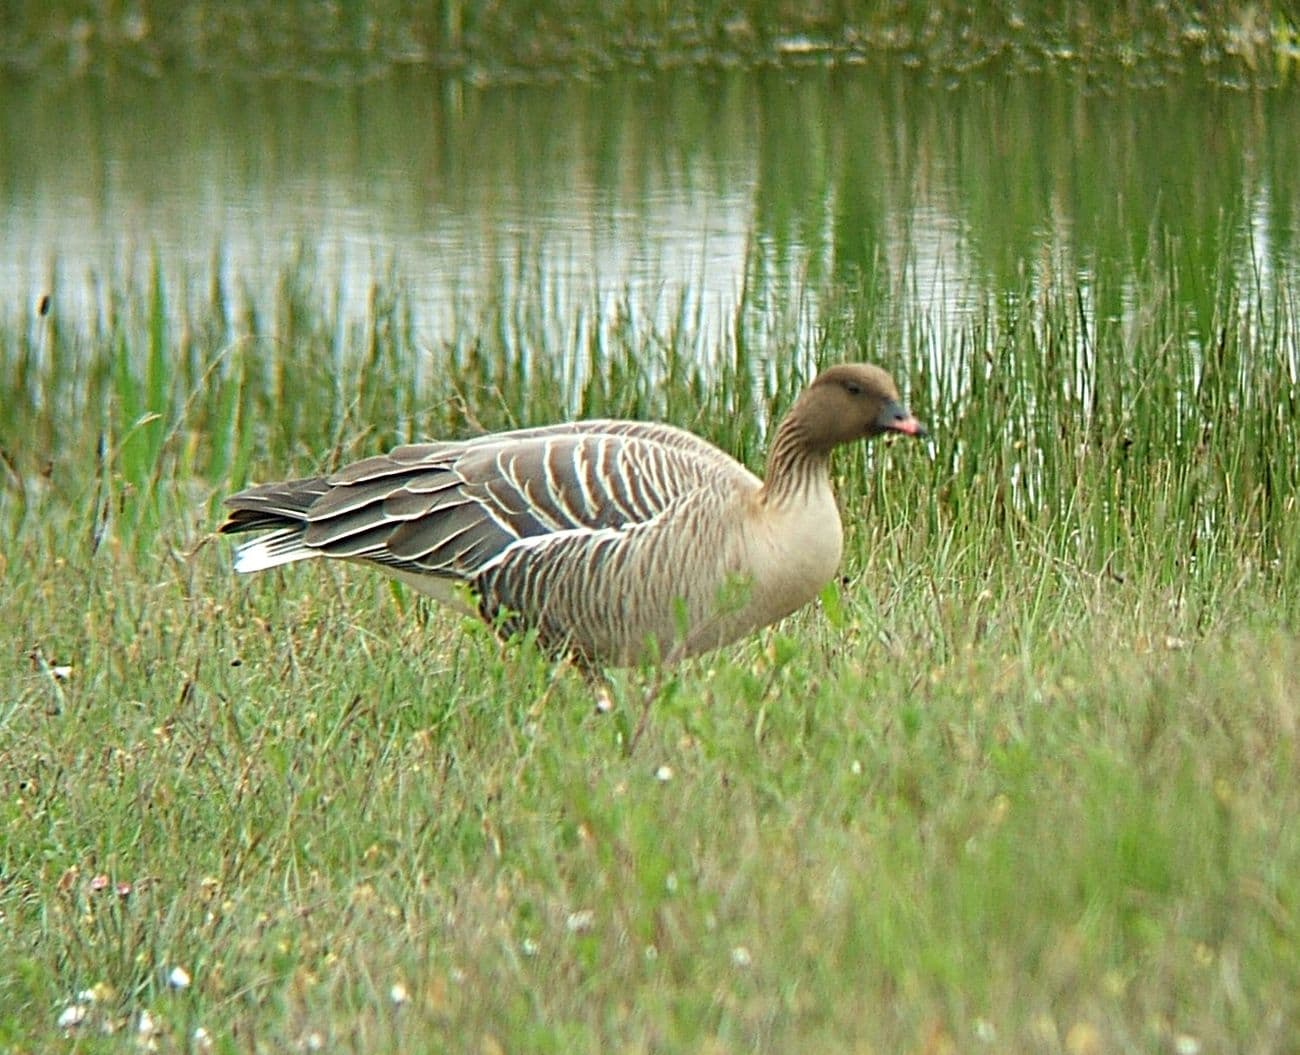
[(270, 551)]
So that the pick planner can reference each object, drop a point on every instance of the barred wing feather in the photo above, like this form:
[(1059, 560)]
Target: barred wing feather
[(448, 509)]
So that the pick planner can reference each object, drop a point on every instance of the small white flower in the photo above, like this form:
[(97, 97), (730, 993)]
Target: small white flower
[(664, 774), (72, 1016), (178, 978), (144, 1025), (528, 947), (740, 956), (202, 1039), (1186, 1044), (581, 921), (398, 995), (313, 1041)]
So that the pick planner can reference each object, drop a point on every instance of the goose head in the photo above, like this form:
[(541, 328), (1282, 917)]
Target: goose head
[(851, 401)]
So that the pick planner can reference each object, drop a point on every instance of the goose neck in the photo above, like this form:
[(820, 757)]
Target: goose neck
[(796, 466)]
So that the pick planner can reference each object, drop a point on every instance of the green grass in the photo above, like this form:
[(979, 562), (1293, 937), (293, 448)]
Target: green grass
[(1025, 782), (1234, 41)]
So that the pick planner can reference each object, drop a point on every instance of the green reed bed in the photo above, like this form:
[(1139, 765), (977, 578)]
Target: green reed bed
[(524, 38), (1023, 782)]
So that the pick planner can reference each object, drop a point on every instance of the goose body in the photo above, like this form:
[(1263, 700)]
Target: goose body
[(616, 541)]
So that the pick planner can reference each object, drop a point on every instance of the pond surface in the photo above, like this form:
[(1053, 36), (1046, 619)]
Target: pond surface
[(657, 195)]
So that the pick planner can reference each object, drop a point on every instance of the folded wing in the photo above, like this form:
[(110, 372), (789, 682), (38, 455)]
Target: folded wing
[(450, 509)]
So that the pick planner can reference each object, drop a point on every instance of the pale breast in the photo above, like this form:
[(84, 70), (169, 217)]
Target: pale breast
[(795, 550), (778, 559)]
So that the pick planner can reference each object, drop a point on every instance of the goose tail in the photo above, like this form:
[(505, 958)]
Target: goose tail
[(281, 509)]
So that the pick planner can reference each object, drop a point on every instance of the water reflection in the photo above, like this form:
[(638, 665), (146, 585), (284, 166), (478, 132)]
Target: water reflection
[(660, 195)]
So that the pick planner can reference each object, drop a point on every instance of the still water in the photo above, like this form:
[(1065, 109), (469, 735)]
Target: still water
[(655, 194)]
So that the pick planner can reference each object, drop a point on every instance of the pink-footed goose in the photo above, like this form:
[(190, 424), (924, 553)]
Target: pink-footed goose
[(617, 541)]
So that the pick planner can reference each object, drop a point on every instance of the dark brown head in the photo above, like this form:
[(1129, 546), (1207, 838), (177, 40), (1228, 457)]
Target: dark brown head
[(851, 401)]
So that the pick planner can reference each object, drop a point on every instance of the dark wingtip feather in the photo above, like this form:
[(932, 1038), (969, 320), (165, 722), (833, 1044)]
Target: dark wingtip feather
[(250, 520), (272, 505)]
